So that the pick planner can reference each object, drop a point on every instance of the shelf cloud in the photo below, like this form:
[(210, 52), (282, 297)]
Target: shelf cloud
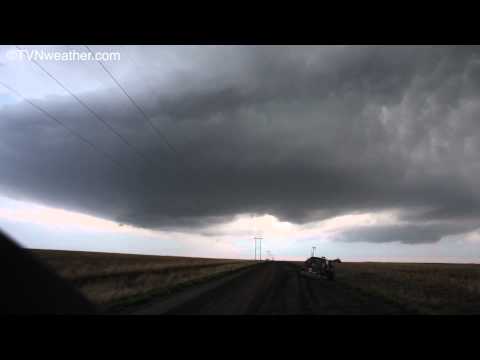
[(302, 133)]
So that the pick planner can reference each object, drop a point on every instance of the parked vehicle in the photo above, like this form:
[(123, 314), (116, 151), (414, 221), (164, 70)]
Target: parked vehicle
[(317, 267)]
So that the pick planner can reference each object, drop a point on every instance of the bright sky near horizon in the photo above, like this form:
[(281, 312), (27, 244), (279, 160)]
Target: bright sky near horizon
[(42, 227)]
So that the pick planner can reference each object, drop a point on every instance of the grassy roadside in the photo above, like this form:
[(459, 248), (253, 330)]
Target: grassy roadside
[(113, 281), (125, 305)]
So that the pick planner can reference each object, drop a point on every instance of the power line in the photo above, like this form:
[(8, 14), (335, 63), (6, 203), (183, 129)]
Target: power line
[(77, 134), (187, 178), (153, 90), (259, 246), (162, 137), (89, 109), (145, 116), (71, 131)]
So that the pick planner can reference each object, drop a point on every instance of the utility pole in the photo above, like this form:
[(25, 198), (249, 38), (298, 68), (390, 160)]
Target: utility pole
[(259, 238), (313, 251)]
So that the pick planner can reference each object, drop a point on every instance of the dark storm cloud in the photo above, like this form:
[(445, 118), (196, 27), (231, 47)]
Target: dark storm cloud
[(302, 133), (406, 233)]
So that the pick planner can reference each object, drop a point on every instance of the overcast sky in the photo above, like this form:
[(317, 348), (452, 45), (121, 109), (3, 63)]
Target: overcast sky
[(367, 152)]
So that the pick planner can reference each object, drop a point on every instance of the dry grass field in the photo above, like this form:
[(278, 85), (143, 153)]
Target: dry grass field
[(423, 288), (110, 279)]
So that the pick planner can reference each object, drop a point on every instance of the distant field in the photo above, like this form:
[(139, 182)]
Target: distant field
[(424, 288), (107, 279)]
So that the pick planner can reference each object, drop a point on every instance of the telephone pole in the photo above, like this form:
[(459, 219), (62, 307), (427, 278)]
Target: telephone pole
[(259, 246)]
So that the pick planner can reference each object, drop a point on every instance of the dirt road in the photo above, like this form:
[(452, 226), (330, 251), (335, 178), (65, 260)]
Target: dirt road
[(270, 288)]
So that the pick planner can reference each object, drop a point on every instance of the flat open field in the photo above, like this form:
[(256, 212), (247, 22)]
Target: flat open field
[(423, 288), (108, 279)]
